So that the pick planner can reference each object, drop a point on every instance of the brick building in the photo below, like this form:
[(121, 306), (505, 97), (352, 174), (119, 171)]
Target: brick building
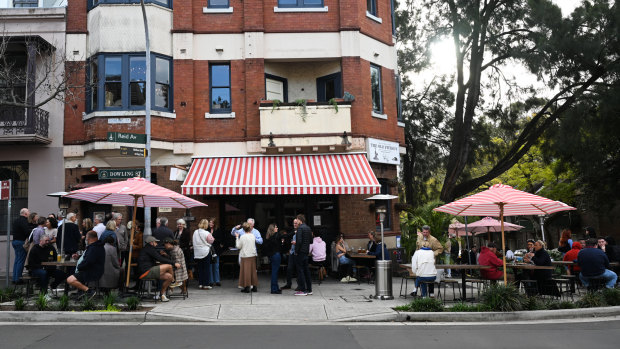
[(242, 81)]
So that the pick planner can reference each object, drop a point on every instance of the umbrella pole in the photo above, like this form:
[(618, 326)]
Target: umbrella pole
[(133, 228), (501, 219)]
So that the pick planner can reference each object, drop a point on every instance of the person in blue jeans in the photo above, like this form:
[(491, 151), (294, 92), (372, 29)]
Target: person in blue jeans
[(21, 231), (594, 264), (271, 249), (423, 266), (219, 245), (44, 252)]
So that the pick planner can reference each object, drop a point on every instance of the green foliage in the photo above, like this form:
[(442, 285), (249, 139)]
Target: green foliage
[(611, 296), (20, 304), (591, 300), (276, 104), (555, 254), (41, 302), (3, 296), (332, 102), (110, 299), (132, 303), (466, 307), (88, 304), (423, 305), (63, 303), (555, 305), (502, 298), (533, 303), (304, 111), (8, 294), (112, 308)]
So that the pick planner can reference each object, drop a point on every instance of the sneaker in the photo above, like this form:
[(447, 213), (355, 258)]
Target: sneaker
[(90, 293), (200, 287), (245, 290), (176, 284), (413, 294), (301, 293), (156, 297), (164, 298), (309, 293), (352, 279), (207, 287), (345, 279), (285, 287)]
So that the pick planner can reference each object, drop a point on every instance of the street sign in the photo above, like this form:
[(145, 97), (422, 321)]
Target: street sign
[(5, 190), (126, 137), (121, 173), (141, 152)]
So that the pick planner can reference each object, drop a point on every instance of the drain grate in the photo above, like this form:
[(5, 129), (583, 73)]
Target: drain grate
[(356, 299)]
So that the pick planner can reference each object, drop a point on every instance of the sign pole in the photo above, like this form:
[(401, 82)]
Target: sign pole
[(8, 235)]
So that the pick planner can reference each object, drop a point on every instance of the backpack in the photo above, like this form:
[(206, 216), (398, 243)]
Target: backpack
[(28, 242)]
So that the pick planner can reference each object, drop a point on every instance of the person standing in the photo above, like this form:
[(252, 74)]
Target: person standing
[(247, 253), (271, 249), (21, 231), (184, 236), (122, 237), (39, 231), (302, 249), (99, 226), (70, 233), (162, 232), (202, 242), (428, 240), (288, 240), (239, 230), (219, 245), (112, 268)]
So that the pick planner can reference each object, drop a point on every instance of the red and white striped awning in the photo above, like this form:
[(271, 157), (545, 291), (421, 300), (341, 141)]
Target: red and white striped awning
[(281, 175)]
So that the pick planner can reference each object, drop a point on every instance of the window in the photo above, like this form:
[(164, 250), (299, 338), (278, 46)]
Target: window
[(393, 19), (399, 103), (94, 3), (328, 87), (25, 3), (375, 85), (220, 88), (218, 3), (371, 7), (17, 172), (118, 82), (387, 221), (300, 3), (13, 82)]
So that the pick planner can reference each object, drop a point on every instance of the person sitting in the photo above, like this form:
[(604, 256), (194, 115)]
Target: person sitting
[(571, 256), (372, 242), (112, 268), (542, 276), (594, 264), (149, 270), (341, 253), (423, 266), (177, 256), (44, 252), (378, 250), (90, 266), (318, 250), (488, 257)]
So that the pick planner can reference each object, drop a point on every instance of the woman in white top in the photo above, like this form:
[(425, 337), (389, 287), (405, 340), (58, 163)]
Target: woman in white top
[(51, 230), (202, 241), (423, 266), (246, 244)]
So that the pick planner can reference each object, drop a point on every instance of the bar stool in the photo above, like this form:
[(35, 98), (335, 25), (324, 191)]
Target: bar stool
[(455, 286), (406, 276)]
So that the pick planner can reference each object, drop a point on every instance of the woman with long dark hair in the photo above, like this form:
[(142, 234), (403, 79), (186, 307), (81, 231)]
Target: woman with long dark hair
[(219, 245), (271, 249), (566, 242)]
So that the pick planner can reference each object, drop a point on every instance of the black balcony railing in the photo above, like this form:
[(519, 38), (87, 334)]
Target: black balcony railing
[(23, 122)]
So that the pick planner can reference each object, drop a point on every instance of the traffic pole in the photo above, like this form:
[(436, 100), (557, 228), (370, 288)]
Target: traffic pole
[(8, 236)]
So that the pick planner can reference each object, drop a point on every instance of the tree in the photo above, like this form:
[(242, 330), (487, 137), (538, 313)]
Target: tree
[(569, 56)]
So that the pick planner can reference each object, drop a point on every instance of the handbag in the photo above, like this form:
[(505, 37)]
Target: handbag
[(28, 242)]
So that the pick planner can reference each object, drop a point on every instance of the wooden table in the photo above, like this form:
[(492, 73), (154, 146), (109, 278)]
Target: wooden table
[(456, 266), (530, 266), (64, 265), (355, 255)]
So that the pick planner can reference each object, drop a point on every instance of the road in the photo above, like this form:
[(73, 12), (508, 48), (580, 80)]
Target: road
[(589, 335)]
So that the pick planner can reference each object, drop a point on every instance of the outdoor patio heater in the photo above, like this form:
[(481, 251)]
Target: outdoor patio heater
[(383, 268)]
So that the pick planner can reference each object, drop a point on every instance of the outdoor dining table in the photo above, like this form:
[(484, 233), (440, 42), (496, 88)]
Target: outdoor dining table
[(64, 265), (455, 267), (530, 266)]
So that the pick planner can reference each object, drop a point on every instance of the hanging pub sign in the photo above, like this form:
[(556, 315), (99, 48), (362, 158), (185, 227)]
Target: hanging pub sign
[(383, 152)]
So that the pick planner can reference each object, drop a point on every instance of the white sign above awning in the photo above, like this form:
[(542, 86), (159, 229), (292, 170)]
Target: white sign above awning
[(384, 152)]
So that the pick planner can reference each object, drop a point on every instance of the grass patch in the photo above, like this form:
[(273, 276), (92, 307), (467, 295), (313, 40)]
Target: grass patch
[(611, 296), (591, 300), (423, 305), (502, 298), (132, 303), (534, 303), (110, 299), (63, 303), (41, 302), (20, 304), (465, 307)]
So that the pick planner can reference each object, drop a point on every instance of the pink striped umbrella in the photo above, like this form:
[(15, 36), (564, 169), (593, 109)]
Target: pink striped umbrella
[(503, 200), (136, 192)]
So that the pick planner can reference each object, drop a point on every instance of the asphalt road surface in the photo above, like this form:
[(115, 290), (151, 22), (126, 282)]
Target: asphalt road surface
[(587, 335)]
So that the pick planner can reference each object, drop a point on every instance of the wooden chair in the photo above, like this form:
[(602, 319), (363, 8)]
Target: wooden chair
[(406, 276)]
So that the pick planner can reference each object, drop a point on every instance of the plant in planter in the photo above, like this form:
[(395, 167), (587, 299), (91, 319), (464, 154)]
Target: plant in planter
[(41, 302), (275, 104), (88, 304), (502, 298), (133, 303), (63, 303), (20, 304), (304, 111), (333, 103)]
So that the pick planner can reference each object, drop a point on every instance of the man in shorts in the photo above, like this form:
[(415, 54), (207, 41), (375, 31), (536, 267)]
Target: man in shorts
[(164, 271), (90, 266)]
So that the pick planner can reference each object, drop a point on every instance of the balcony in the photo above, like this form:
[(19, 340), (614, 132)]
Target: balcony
[(317, 126), (24, 125)]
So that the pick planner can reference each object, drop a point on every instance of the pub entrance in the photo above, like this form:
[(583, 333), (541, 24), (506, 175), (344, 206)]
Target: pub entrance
[(321, 212)]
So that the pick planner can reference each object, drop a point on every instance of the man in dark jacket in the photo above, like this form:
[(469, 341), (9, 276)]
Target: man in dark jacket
[(90, 266), (162, 232), (542, 276), (70, 233), (21, 231), (44, 252), (302, 249), (149, 255), (594, 264)]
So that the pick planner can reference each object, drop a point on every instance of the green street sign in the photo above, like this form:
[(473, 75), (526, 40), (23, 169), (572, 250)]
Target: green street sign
[(126, 137), (131, 151), (121, 173)]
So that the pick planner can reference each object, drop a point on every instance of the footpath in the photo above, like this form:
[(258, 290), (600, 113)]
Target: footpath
[(331, 301)]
